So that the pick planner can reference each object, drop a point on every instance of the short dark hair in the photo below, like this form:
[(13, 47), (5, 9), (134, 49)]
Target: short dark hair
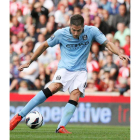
[(77, 20)]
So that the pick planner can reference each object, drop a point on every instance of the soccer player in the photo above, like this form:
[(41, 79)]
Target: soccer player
[(75, 42)]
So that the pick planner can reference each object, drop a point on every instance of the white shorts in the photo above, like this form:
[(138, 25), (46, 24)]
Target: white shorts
[(71, 80)]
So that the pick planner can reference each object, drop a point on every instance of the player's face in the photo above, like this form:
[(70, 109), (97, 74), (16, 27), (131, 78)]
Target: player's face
[(76, 30)]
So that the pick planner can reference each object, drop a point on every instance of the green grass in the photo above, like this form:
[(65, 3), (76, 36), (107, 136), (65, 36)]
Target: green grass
[(79, 132)]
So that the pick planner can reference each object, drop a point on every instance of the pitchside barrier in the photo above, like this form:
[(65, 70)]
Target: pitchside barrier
[(95, 108)]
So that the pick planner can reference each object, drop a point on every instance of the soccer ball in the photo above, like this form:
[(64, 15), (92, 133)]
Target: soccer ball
[(34, 120)]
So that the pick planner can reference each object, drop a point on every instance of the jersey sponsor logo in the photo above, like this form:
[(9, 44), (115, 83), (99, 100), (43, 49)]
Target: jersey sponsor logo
[(77, 45), (58, 77), (52, 37), (84, 37)]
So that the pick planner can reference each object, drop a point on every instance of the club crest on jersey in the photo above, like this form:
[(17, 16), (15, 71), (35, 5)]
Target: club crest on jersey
[(84, 37), (52, 37), (58, 77)]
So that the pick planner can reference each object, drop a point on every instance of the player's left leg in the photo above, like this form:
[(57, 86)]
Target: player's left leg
[(68, 111)]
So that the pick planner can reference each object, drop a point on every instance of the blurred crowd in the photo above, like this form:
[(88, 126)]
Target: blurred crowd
[(34, 21)]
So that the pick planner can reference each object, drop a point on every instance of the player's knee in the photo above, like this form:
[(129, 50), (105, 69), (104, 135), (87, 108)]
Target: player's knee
[(54, 87), (75, 95)]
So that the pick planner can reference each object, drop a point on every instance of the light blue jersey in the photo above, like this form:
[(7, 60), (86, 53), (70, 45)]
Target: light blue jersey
[(74, 52)]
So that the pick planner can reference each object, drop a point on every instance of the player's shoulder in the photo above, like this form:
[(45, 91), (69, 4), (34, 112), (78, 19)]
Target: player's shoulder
[(63, 31), (90, 28)]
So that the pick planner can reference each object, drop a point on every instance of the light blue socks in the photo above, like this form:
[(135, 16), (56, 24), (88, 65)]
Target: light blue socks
[(67, 114), (36, 100)]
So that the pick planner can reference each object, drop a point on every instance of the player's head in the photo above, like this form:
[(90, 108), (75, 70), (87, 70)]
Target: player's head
[(76, 25)]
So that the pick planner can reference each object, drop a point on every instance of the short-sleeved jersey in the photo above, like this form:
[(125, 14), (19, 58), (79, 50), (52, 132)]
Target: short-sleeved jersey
[(74, 52)]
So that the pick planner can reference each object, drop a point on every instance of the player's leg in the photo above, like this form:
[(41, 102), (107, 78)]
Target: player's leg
[(36, 100), (68, 111)]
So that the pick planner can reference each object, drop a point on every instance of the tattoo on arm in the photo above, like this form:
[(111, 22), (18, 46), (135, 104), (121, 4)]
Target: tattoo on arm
[(104, 44)]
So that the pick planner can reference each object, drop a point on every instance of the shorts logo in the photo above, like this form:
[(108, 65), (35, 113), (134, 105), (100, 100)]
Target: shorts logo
[(52, 37), (85, 85), (84, 37), (58, 77)]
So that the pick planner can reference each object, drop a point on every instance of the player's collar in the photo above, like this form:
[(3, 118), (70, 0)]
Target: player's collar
[(70, 31)]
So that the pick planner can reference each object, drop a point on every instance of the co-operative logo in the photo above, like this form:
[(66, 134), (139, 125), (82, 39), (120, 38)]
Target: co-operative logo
[(84, 113)]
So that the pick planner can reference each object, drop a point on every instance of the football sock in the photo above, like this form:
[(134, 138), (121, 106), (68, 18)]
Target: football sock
[(67, 113), (36, 100)]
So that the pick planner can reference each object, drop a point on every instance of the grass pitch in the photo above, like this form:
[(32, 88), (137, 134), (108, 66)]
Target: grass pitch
[(79, 132)]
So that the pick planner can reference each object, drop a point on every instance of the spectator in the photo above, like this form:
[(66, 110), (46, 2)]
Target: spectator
[(126, 47), (117, 43), (114, 7), (122, 85), (103, 26), (86, 12), (96, 54), (41, 39), (94, 83), (111, 67), (111, 86), (92, 6), (29, 22), (77, 10), (14, 6), (87, 21), (52, 20), (22, 56), (105, 80), (121, 33), (21, 35), (11, 24), (49, 30), (124, 71), (31, 33), (23, 86), (17, 26), (30, 74), (92, 65), (26, 9), (41, 26), (100, 12), (105, 4), (60, 15), (110, 37), (109, 20), (128, 86), (45, 58), (16, 44), (12, 54), (43, 77), (39, 10), (127, 4), (123, 16), (81, 3), (48, 4), (29, 43), (14, 72), (19, 16), (119, 62), (52, 67)]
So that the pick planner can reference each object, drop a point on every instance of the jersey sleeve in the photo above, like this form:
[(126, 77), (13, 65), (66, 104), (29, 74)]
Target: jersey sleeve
[(98, 35), (55, 38)]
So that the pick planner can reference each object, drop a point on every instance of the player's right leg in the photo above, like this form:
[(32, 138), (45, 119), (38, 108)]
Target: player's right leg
[(36, 100)]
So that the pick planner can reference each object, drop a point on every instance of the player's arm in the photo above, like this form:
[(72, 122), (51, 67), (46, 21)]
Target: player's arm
[(36, 54), (110, 46)]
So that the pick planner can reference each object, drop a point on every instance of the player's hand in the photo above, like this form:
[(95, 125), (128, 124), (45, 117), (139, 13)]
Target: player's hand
[(124, 57), (26, 65)]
